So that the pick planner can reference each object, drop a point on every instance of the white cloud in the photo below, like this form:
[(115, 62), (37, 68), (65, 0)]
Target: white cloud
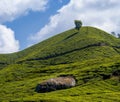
[(8, 44), (11, 9), (99, 13)]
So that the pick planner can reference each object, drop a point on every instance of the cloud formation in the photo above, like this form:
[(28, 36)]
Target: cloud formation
[(8, 43), (103, 14), (9, 11)]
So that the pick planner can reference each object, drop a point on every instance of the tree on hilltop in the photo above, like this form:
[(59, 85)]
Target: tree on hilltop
[(78, 24)]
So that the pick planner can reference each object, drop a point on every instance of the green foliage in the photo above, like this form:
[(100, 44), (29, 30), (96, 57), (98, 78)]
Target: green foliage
[(78, 24), (90, 54)]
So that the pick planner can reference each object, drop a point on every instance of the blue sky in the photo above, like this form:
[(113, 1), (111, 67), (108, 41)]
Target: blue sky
[(26, 22), (33, 22)]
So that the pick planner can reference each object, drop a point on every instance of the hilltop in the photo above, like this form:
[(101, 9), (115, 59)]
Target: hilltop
[(68, 43), (90, 54)]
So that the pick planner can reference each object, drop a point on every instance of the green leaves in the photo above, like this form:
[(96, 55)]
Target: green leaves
[(88, 54), (78, 24)]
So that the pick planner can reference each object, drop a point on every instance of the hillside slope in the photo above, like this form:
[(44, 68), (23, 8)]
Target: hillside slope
[(90, 54), (68, 43)]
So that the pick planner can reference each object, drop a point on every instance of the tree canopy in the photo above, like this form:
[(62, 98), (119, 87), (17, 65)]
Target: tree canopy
[(78, 24)]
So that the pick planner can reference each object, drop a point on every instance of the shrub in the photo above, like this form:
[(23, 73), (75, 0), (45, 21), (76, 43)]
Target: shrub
[(78, 24)]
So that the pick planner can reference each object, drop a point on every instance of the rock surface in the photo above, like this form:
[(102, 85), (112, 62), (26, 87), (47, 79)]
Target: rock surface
[(58, 83)]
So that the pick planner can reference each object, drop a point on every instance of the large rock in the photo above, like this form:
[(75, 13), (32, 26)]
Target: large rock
[(58, 83)]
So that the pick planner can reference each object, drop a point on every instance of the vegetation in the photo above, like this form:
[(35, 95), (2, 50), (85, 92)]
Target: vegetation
[(78, 24), (90, 54)]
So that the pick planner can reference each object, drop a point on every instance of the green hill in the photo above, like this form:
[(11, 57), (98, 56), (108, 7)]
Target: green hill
[(90, 54)]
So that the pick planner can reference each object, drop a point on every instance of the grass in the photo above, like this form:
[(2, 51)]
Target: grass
[(91, 55), (90, 86)]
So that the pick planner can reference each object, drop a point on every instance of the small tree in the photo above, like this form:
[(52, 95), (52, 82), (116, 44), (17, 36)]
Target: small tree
[(118, 35), (113, 33), (78, 24)]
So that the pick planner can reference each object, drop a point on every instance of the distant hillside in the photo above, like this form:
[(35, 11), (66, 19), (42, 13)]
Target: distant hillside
[(72, 43), (90, 54)]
